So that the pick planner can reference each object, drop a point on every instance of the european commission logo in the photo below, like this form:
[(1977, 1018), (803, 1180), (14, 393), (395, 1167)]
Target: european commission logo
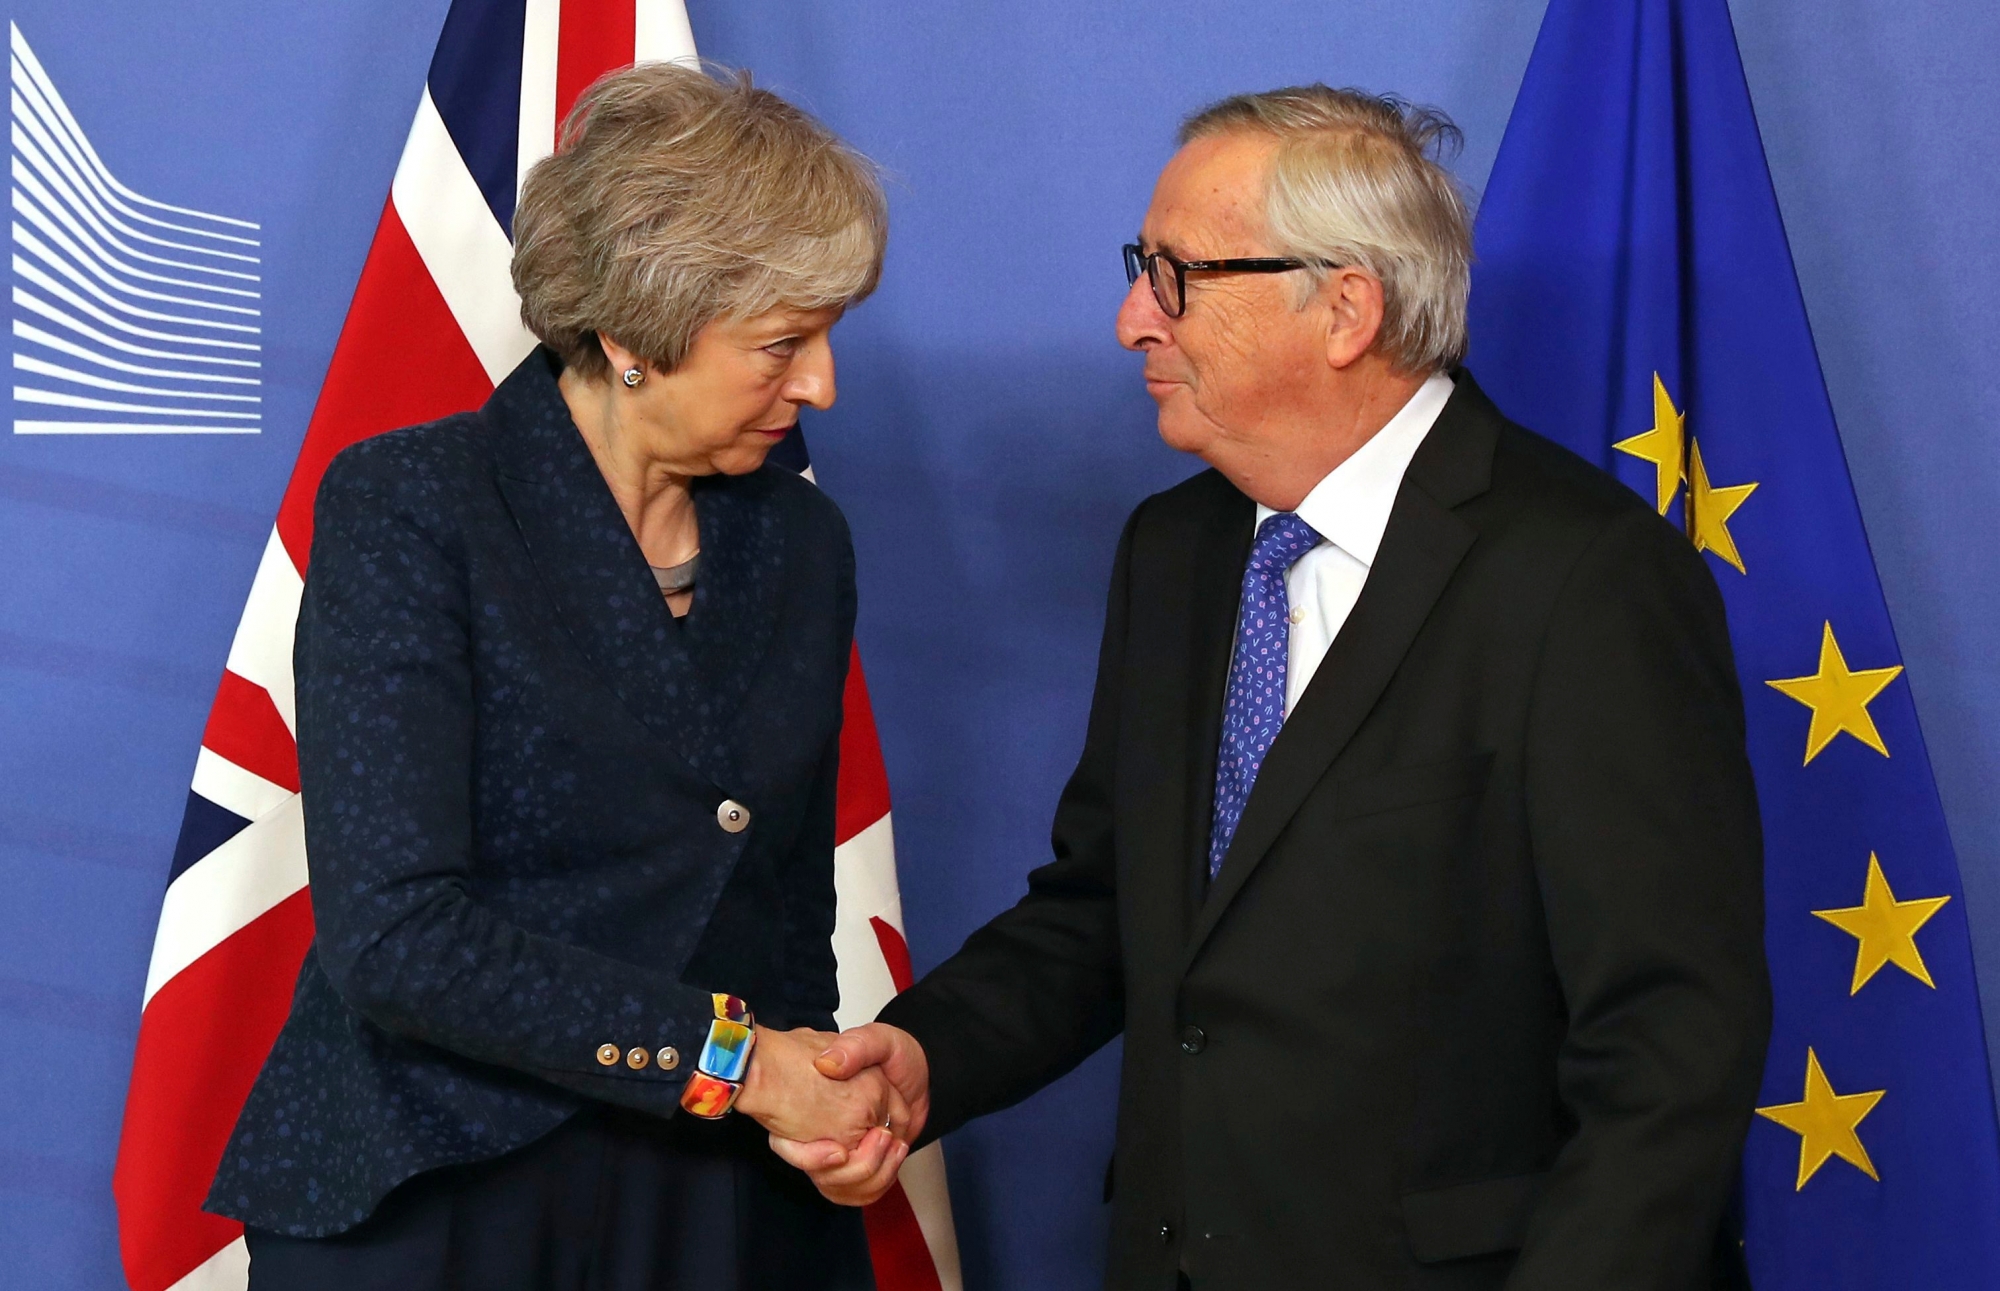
[(131, 316)]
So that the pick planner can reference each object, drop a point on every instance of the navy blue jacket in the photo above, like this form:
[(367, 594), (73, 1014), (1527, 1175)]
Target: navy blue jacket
[(512, 757)]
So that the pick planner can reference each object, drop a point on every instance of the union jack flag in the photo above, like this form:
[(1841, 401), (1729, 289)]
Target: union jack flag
[(434, 325)]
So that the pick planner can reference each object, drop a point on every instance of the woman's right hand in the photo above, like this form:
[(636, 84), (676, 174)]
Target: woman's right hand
[(788, 1096)]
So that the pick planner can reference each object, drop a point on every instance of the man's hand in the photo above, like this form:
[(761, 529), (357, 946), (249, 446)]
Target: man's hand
[(855, 1175), (786, 1095), (896, 1054)]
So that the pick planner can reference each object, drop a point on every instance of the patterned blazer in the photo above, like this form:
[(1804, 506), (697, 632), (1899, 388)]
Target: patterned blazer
[(515, 765)]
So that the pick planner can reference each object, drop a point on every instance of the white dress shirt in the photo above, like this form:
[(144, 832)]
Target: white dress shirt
[(1349, 509)]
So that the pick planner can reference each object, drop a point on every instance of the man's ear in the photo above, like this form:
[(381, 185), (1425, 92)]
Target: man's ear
[(1353, 300)]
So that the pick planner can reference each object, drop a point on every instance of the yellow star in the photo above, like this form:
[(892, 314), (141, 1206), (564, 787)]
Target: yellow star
[(1662, 445), (1709, 509), (1885, 928), (1824, 1122), (1838, 698)]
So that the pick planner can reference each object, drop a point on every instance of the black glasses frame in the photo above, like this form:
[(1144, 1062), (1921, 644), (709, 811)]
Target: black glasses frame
[(1138, 261)]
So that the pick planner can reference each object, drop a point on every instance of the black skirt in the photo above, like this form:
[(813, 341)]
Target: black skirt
[(609, 1201)]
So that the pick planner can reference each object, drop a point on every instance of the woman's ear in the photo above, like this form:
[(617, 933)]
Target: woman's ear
[(618, 356)]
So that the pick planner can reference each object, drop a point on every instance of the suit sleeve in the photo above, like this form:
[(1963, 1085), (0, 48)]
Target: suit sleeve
[(812, 988), (385, 732), (1643, 821), (1041, 987)]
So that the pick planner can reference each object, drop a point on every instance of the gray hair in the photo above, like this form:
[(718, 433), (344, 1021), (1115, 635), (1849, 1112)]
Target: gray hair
[(1358, 181), (676, 197)]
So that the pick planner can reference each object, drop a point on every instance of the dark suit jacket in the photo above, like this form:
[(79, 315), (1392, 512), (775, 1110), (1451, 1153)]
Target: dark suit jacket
[(512, 757), (1478, 996)]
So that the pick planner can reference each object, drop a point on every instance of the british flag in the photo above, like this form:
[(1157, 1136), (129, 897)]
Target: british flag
[(433, 327)]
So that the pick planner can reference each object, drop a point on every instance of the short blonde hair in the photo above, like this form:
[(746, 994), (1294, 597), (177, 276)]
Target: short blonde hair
[(676, 197), (1359, 181)]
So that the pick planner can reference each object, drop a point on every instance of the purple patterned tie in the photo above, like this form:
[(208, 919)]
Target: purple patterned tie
[(1255, 707)]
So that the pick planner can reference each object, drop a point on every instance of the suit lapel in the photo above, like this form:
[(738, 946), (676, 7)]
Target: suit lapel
[(1215, 587), (681, 680), (1421, 549), (736, 601)]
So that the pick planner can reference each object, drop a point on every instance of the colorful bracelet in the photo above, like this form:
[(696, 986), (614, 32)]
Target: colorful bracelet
[(718, 1074)]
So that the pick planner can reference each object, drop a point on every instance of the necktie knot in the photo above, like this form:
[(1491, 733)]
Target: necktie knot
[(1281, 540)]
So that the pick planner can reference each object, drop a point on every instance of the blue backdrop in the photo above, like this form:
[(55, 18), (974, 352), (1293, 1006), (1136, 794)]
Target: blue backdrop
[(989, 441)]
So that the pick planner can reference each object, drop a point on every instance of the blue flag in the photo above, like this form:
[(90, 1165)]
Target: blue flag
[(1634, 299)]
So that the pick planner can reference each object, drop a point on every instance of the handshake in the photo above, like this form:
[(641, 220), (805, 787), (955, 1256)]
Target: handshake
[(843, 1108)]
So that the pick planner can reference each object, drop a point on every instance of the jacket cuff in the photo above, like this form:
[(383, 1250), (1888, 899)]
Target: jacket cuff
[(634, 1065), (931, 1024)]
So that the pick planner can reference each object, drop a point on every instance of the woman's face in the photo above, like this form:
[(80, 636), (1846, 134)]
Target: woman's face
[(737, 393)]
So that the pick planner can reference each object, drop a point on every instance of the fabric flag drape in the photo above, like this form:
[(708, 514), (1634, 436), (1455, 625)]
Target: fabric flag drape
[(433, 326), (1634, 298)]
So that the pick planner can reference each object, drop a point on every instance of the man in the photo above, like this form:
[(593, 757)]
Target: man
[(1413, 846)]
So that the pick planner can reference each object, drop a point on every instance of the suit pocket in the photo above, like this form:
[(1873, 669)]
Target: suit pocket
[(1410, 786), (1471, 1218)]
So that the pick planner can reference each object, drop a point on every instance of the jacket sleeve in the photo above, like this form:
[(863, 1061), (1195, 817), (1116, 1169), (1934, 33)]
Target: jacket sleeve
[(812, 990), (811, 902), (1041, 987), (1643, 822), (385, 732)]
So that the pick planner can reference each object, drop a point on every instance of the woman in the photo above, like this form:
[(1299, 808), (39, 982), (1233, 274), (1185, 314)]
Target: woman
[(569, 693)]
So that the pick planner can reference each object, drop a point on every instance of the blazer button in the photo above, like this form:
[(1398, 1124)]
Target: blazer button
[(1193, 1040), (1166, 1234), (733, 816), (607, 1055), (670, 1058), (637, 1059)]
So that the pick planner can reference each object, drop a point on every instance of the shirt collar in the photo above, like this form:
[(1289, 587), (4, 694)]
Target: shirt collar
[(1350, 507)]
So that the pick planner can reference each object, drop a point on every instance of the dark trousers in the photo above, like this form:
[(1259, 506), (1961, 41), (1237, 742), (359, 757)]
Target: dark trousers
[(607, 1202)]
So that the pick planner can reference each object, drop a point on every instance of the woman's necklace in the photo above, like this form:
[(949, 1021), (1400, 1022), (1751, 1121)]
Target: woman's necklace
[(676, 578)]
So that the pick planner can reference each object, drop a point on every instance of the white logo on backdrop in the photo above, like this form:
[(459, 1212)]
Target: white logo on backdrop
[(131, 316)]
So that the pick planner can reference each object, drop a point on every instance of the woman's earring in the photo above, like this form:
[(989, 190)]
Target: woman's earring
[(633, 376)]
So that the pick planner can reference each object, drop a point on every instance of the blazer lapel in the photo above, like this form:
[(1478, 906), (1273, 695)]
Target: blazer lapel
[(736, 601), (606, 599), (1421, 548), (1215, 587)]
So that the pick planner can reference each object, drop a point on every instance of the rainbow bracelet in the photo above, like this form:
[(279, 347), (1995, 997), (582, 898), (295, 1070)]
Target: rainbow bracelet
[(718, 1074)]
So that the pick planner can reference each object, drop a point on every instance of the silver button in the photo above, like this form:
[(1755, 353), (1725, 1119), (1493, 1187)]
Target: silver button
[(733, 816)]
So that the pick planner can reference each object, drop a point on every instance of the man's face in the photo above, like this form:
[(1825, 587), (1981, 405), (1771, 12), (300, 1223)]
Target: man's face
[(1234, 370)]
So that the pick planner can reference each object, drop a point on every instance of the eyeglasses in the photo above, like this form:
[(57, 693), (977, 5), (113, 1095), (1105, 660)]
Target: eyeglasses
[(1169, 276)]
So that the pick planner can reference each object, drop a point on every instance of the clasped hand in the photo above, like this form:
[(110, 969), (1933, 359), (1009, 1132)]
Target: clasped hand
[(844, 1109)]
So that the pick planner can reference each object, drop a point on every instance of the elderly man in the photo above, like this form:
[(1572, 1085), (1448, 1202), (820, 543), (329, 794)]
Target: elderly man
[(1413, 846)]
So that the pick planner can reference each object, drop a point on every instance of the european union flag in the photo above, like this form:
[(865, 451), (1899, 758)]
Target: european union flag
[(1634, 299)]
